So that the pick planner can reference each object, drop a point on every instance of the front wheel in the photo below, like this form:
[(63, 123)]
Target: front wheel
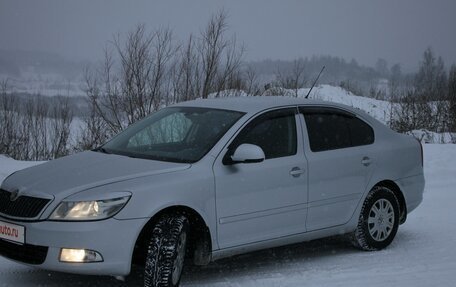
[(378, 221), (166, 252)]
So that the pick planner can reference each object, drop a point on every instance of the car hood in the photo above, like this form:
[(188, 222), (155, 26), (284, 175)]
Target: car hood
[(68, 175)]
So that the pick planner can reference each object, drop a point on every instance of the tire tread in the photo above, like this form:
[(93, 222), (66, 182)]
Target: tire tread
[(161, 250)]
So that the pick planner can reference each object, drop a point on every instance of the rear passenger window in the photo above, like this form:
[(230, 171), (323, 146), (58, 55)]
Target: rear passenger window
[(330, 129), (327, 131)]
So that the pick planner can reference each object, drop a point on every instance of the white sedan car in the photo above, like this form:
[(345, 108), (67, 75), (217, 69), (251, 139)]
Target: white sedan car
[(207, 179)]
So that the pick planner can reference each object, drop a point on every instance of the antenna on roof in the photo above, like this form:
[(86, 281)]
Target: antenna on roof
[(313, 85)]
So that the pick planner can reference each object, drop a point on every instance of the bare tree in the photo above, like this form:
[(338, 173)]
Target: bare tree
[(410, 113), (211, 48), (152, 71), (162, 53), (395, 81), (136, 66), (93, 132), (60, 124), (293, 79), (377, 93), (230, 77), (220, 57), (381, 66), (352, 86), (4, 86), (252, 85), (125, 93), (186, 75), (102, 88), (431, 80), (431, 86), (9, 136), (36, 121)]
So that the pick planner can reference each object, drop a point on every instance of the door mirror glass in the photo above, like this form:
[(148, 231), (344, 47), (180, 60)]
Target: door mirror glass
[(248, 153)]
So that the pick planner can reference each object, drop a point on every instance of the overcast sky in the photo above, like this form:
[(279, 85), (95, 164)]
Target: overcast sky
[(397, 30)]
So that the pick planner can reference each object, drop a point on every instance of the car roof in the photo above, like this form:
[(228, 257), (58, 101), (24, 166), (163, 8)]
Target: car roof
[(256, 104)]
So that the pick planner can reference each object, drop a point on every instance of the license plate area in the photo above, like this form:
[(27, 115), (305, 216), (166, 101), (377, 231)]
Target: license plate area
[(12, 232)]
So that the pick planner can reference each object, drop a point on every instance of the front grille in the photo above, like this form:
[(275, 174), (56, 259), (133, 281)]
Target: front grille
[(22, 207), (30, 254)]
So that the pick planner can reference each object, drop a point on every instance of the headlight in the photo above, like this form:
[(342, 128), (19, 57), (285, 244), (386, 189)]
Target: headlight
[(88, 210)]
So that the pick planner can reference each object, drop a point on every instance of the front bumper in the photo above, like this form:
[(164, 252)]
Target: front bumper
[(113, 239)]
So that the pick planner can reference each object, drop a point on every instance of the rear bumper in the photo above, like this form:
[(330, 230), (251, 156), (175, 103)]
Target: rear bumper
[(412, 187), (113, 239)]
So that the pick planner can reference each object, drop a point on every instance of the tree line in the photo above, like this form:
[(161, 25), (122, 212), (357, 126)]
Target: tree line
[(428, 101)]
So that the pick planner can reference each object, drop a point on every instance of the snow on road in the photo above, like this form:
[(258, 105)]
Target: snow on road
[(422, 254)]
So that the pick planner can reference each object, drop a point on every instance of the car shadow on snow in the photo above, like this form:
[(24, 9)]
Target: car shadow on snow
[(298, 257), (289, 258)]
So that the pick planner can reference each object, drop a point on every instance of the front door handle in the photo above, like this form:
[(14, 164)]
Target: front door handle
[(296, 171), (366, 161)]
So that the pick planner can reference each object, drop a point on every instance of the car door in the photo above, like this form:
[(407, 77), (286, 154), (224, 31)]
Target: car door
[(260, 201), (338, 149)]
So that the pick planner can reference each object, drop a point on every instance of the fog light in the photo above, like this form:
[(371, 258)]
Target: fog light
[(79, 256)]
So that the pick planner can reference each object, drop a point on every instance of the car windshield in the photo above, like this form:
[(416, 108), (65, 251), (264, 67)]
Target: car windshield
[(176, 134)]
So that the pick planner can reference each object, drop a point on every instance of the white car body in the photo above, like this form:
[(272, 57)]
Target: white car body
[(235, 207)]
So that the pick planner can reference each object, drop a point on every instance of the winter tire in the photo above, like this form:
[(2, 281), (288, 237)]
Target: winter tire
[(166, 252), (378, 221)]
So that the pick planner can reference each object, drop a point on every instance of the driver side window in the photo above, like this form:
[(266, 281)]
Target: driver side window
[(274, 132)]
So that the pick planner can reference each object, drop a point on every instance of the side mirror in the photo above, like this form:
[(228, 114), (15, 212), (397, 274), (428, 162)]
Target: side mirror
[(248, 153)]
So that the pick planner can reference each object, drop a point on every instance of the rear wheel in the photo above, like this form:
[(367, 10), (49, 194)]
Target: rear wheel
[(166, 252), (378, 221)]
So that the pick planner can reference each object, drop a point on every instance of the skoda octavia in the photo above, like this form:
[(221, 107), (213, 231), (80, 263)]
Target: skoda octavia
[(207, 179)]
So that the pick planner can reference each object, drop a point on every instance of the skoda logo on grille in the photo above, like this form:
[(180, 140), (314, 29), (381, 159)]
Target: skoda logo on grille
[(14, 195)]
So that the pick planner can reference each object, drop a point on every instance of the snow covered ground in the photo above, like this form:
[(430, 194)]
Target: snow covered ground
[(9, 165), (423, 253)]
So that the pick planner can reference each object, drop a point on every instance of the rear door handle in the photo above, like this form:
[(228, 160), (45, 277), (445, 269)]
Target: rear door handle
[(296, 171), (366, 161)]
